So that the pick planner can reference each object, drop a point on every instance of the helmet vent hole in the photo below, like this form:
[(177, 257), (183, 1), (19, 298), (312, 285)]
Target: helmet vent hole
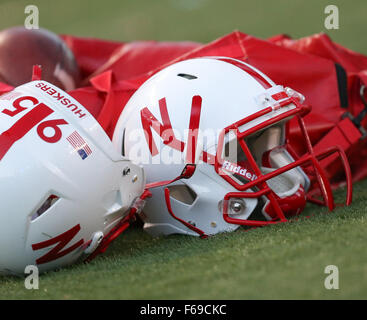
[(182, 193), (47, 204), (187, 76)]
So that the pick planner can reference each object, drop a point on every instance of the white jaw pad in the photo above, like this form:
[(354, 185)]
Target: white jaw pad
[(285, 184)]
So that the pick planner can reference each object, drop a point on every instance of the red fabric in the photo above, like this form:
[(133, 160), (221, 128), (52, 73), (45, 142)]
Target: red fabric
[(114, 70)]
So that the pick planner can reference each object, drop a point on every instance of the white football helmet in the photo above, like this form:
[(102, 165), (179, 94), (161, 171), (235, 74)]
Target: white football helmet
[(65, 191), (210, 133)]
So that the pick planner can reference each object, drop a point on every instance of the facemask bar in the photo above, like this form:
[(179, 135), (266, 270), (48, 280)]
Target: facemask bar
[(186, 224), (310, 159)]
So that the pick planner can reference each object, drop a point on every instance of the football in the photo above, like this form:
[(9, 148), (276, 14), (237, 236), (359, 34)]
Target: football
[(21, 49)]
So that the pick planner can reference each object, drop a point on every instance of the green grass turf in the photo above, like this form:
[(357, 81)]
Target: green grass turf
[(285, 261)]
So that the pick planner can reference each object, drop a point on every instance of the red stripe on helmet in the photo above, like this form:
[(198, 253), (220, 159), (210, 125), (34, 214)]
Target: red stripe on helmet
[(257, 76)]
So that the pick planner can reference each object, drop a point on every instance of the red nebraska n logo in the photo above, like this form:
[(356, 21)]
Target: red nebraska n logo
[(62, 240), (166, 132)]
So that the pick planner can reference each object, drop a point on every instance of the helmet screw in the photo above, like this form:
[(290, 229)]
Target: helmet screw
[(237, 207)]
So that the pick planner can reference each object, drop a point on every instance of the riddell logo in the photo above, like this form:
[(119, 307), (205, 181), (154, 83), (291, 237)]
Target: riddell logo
[(239, 170)]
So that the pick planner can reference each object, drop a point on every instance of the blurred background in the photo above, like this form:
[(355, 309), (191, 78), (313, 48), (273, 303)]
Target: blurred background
[(196, 20)]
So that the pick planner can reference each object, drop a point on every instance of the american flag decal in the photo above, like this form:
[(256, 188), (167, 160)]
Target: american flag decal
[(79, 145)]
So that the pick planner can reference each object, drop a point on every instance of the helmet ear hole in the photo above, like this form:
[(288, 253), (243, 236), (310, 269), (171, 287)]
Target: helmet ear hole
[(47, 204), (182, 193)]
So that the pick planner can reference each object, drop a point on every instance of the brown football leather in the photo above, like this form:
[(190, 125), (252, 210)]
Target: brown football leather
[(21, 49)]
